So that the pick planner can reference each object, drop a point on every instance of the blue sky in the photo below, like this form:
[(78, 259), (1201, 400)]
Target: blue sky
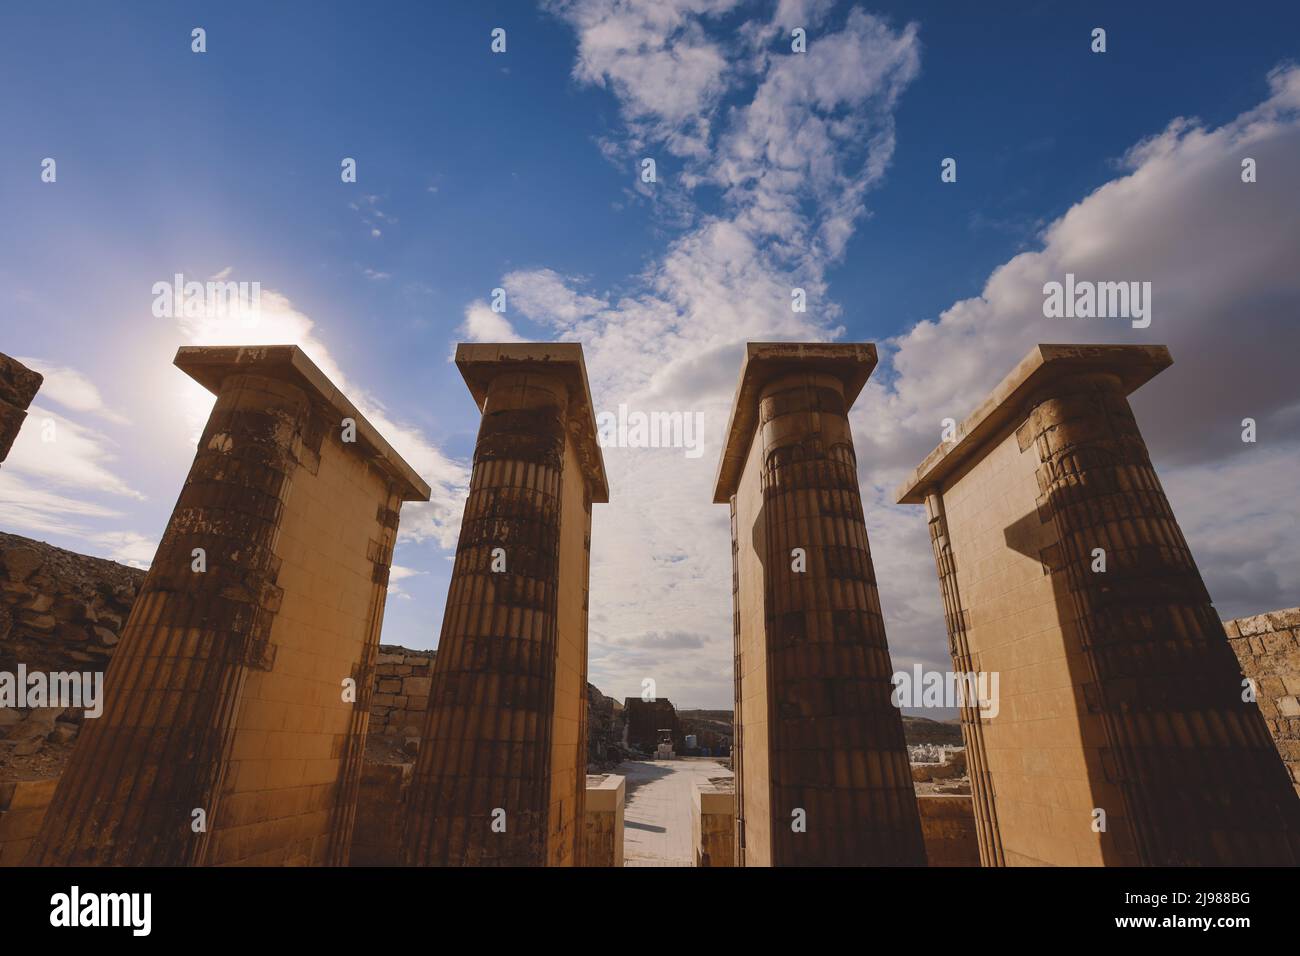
[(519, 170)]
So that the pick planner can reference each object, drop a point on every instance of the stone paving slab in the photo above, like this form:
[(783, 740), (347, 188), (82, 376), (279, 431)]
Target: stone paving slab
[(657, 816)]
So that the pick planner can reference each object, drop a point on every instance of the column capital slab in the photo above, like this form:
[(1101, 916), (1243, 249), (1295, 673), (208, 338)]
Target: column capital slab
[(1134, 365), (210, 365), (480, 363), (850, 362)]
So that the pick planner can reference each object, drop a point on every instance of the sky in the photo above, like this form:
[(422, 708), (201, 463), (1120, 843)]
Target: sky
[(523, 170)]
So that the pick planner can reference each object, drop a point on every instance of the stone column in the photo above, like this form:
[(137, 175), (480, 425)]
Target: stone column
[(826, 779), (228, 735), (18, 386), (501, 774), (1119, 735), (1201, 778)]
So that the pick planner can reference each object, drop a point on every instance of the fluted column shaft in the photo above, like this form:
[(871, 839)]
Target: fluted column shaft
[(837, 746), (482, 778), (1201, 777), (158, 752)]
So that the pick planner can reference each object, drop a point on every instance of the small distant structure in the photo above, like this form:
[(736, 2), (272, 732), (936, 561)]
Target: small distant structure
[(664, 749), (648, 721)]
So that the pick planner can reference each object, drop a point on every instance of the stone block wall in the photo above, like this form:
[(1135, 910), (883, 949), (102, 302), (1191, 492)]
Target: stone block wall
[(1268, 648), (602, 835), (948, 826), (60, 610), (401, 694)]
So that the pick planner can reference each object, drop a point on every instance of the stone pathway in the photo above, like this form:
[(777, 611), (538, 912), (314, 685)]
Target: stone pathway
[(657, 814)]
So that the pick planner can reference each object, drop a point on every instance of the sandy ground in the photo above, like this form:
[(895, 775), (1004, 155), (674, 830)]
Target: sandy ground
[(657, 815)]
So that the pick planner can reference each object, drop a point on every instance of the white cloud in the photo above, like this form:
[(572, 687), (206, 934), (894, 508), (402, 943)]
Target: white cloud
[(25, 506), (793, 163), (73, 390), (397, 573), (128, 547), (65, 454), (544, 295), (483, 325), (655, 55), (1221, 256)]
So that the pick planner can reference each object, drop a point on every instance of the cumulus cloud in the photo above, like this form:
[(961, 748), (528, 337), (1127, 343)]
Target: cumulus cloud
[(62, 453), (792, 156), (73, 390), (61, 473), (1221, 257), (27, 506), (396, 574), (546, 296), (483, 325), (656, 56)]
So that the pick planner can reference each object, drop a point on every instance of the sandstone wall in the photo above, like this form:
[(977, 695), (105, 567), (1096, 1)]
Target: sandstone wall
[(401, 691), (397, 709), (713, 822), (381, 803), (948, 825), (1268, 648), (1040, 746), (602, 821), (18, 386), (22, 808), (604, 729)]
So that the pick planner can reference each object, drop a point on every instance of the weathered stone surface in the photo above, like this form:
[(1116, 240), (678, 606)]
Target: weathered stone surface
[(263, 741), (1269, 654), (513, 648), (818, 739), (18, 386), (1118, 689), (91, 592), (418, 686), (713, 822), (948, 823), (602, 831)]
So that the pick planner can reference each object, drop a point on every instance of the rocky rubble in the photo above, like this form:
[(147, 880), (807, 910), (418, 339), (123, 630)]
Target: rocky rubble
[(59, 611)]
